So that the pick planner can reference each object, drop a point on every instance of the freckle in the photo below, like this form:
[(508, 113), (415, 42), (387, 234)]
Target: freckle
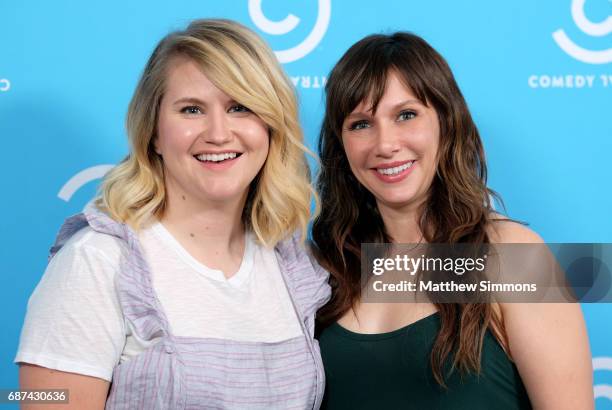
[(206, 227), (192, 235), (183, 197)]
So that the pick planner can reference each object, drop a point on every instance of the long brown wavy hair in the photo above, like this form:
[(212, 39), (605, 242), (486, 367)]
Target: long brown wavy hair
[(458, 208)]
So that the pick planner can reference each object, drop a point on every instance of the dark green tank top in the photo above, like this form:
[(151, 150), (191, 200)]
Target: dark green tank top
[(392, 371)]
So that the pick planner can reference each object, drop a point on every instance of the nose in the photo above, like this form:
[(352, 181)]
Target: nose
[(218, 129), (387, 141)]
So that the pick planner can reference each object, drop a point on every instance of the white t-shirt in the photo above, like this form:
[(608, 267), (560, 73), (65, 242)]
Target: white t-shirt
[(74, 321)]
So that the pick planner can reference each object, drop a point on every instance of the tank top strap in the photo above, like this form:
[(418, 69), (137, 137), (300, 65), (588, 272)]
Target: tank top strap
[(71, 226), (305, 278), (134, 282)]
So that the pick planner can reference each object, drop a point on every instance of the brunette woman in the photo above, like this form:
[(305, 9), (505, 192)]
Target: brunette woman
[(402, 162)]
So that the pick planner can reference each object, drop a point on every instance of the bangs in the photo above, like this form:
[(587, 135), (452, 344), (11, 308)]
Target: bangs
[(236, 69), (361, 76)]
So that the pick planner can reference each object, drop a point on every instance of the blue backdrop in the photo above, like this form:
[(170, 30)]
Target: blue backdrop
[(537, 77)]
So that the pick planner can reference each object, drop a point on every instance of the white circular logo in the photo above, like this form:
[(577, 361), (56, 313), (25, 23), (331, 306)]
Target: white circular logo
[(587, 26), (5, 85), (288, 24), (602, 390), (81, 179)]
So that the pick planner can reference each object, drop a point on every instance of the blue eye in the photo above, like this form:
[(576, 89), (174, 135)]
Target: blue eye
[(239, 108), (358, 125), (406, 115), (191, 109)]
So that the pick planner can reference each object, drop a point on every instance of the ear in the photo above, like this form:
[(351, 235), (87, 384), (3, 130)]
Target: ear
[(155, 141)]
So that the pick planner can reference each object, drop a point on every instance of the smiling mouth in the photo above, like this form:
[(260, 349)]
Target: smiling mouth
[(395, 170), (216, 158)]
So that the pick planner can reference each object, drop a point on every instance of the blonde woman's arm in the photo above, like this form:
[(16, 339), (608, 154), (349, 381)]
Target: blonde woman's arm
[(74, 331), (84, 392)]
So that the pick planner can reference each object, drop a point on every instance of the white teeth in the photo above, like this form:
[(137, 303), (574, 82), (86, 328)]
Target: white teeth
[(395, 170), (216, 157)]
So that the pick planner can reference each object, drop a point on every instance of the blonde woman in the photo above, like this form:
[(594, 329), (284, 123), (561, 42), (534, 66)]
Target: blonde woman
[(187, 286)]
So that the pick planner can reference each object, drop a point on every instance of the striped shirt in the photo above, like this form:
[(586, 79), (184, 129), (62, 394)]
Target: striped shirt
[(181, 372)]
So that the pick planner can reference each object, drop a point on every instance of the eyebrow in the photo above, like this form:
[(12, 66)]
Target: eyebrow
[(189, 100), (367, 113)]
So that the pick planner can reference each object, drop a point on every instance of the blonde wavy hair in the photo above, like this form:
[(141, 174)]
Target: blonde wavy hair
[(240, 64)]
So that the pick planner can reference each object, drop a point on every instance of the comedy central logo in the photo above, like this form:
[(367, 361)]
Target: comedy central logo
[(81, 179), (287, 25), (602, 391), (587, 79), (5, 85), (590, 28)]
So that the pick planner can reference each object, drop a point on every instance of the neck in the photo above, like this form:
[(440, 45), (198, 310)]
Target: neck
[(402, 224), (214, 225)]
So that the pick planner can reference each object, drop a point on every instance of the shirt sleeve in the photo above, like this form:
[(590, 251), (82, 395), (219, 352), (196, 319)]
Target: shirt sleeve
[(74, 321)]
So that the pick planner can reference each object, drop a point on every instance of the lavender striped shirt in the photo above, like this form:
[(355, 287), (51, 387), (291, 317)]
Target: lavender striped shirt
[(209, 373)]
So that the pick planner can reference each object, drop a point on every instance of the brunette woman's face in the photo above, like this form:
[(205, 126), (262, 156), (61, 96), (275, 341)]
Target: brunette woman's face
[(393, 153)]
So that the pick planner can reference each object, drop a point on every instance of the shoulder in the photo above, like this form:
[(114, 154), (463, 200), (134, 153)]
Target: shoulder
[(503, 230), (298, 249), (74, 322), (292, 247), (88, 259), (87, 243), (308, 277)]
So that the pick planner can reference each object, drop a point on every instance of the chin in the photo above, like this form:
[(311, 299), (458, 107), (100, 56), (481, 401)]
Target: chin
[(396, 201), (223, 196), (220, 193)]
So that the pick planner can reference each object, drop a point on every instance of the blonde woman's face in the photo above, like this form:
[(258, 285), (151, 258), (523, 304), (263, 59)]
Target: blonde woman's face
[(392, 153), (212, 147)]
